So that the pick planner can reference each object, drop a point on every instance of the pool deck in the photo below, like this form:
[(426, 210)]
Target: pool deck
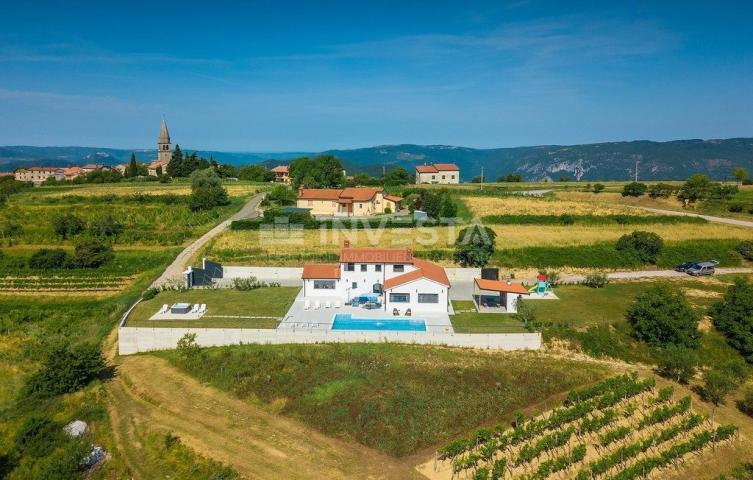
[(321, 319)]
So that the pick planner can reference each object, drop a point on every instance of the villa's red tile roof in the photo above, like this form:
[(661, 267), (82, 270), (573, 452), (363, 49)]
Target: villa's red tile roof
[(424, 269), (500, 286), (376, 255), (321, 270)]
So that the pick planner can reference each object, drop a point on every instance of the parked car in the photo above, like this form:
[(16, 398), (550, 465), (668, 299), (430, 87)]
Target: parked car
[(683, 267), (703, 268)]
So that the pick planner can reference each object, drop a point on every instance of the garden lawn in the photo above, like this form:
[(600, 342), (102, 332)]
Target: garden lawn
[(395, 398), (474, 322), (263, 302)]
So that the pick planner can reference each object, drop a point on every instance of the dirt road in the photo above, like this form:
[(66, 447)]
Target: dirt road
[(710, 218), (174, 272)]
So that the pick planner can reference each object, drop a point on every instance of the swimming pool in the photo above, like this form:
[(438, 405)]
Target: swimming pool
[(345, 321)]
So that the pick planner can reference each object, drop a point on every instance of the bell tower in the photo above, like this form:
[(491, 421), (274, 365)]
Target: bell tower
[(164, 147)]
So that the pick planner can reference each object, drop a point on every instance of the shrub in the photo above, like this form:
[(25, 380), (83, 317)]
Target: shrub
[(92, 253), (634, 189), (646, 245), (745, 404), (663, 190), (596, 280), (474, 246), (249, 283), (67, 225), (663, 317), (149, 293), (281, 195), (48, 258), (567, 219), (105, 225), (745, 248), (387, 210), (598, 187), (526, 313), (733, 317), (735, 208), (66, 369)]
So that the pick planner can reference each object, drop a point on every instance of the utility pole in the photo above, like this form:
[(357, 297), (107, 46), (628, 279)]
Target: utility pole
[(384, 170), (636, 169), (482, 176)]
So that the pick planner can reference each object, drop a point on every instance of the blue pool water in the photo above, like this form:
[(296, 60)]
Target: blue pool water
[(345, 321)]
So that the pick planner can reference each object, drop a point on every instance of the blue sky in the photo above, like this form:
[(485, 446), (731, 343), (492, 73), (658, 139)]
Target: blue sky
[(308, 76)]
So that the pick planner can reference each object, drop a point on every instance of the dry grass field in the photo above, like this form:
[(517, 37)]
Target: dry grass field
[(251, 246), (234, 189), (567, 202), (616, 200)]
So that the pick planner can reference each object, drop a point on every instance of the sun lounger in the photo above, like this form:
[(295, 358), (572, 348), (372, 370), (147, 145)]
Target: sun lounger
[(327, 304), (164, 308), (307, 304), (337, 304), (408, 313), (317, 305), (195, 308), (202, 308), (395, 312)]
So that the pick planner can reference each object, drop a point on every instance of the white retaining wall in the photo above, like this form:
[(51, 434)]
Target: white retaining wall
[(143, 339)]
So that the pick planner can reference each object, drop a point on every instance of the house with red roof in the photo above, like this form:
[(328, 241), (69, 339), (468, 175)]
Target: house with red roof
[(347, 202), (282, 174), (438, 173), (400, 280)]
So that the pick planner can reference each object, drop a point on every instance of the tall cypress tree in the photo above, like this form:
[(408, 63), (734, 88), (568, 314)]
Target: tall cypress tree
[(175, 167), (133, 167)]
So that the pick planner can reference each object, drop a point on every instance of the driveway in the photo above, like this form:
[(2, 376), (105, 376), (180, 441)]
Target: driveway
[(174, 272)]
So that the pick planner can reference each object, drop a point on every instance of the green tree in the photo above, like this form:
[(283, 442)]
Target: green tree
[(324, 171), (397, 176), (206, 190), (132, 170), (663, 317), (598, 187), (92, 253), (678, 363), (697, 187), (661, 190), (474, 246), (645, 245), (255, 173), (718, 383), (105, 225), (175, 167), (282, 195), (67, 225), (740, 174), (733, 317), (634, 189), (66, 369), (745, 248)]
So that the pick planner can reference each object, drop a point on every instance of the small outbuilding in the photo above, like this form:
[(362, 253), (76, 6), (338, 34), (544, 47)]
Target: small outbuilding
[(496, 296)]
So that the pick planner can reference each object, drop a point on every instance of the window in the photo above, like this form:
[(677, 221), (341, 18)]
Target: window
[(400, 297), (354, 285), (398, 268), (443, 177), (377, 268), (364, 267), (433, 177), (428, 298), (350, 267), (324, 284), (452, 177)]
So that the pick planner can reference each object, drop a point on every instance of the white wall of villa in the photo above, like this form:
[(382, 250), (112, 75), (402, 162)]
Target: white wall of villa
[(422, 295), (364, 276)]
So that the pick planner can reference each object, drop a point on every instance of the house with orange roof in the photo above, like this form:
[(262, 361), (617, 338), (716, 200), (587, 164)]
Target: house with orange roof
[(282, 174), (438, 173), (347, 202), (400, 280), (492, 296), (37, 175)]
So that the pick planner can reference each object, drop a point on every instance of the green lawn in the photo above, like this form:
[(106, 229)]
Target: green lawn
[(262, 302), (474, 322), (395, 398)]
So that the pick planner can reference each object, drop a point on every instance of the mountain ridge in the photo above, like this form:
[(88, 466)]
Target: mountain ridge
[(671, 160)]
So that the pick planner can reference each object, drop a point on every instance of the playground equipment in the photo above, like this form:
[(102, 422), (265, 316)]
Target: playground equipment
[(542, 286)]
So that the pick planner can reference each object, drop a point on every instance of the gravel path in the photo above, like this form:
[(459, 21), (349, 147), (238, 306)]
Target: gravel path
[(648, 274), (174, 272), (710, 218)]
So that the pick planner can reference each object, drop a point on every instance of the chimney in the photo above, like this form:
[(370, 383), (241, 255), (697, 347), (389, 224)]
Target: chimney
[(300, 190), (410, 253), (346, 243)]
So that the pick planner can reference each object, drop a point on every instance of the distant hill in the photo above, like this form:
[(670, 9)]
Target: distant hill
[(673, 160)]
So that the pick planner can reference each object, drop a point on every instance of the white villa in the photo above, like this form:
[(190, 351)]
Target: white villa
[(399, 280)]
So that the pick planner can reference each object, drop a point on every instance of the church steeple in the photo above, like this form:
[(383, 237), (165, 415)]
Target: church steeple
[(164, 147)]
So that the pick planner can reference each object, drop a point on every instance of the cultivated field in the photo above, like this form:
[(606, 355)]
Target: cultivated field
[(519, 205), (623, 428)]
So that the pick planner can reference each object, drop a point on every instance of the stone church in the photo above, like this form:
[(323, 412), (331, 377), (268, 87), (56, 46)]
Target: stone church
[(164, 152)]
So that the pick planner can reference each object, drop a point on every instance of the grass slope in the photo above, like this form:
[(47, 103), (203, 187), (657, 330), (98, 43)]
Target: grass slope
[(397, 399)]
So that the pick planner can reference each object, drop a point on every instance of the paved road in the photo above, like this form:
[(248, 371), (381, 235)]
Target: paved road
[(174, 272), (710, 218)]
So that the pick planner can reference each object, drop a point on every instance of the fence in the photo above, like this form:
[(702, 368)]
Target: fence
[(143, 339)]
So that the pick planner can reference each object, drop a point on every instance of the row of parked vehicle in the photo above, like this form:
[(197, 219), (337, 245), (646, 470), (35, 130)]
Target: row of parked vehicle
[(697, 268)]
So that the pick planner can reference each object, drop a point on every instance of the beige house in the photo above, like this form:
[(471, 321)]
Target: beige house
[(348, 202), (90, 167), (438, 173), (282, 174), (73, 172), (37, 175)]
